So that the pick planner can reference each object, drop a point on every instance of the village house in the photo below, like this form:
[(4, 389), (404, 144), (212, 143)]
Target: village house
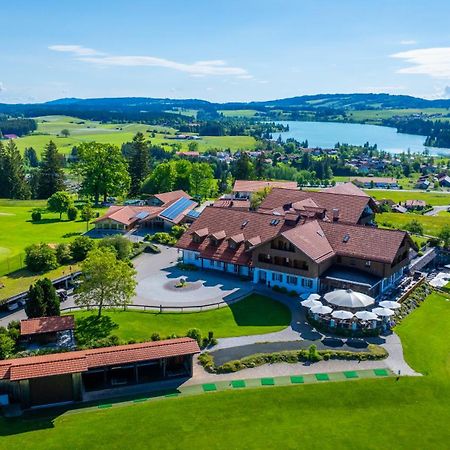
[(376, 182), (162, 213), (302, 241)]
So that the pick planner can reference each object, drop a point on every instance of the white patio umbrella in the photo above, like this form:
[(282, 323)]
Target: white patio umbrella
[(339, 314), (321, 309), (314, 297), (348, 299), (310, 303), (390, 304), (383, 312), (366, 315)]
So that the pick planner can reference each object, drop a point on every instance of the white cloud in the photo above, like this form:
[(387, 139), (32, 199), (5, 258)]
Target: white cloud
[(408, 42), (2, 87), (434, 62), (198, 68), (77, 50), (446, 92)]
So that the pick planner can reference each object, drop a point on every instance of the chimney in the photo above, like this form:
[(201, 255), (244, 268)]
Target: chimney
[(335, 214)]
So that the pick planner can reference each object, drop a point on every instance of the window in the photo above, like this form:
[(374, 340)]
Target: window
[(292, 280), (368, 263), (197, 256), (277, 276), (236, 268), (231, 244), (307, 283)]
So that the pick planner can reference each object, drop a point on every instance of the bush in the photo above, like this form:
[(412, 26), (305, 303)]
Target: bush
[(155, 337), (72, 213), (207, 361), (313, 354), (120, 244), (184, 266), (80, 247), (280, 289), (178, 230), (36, 215), (7, 346), (163, 238), (195, 333), (40, 258), (63, 254)]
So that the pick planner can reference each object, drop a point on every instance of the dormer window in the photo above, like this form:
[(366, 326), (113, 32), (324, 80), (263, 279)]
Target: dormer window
[(235, 241), (217, 237), (199, 235)]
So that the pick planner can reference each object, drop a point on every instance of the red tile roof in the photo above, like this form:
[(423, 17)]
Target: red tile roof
[(350, 207), (126, 215), (346, 188), (258, 185), (82, 360), (232, 222), (167, 197), (46, 325)]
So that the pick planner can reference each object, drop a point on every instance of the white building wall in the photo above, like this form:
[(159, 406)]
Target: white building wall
[(391, 280), (190, 257), (291, 282)]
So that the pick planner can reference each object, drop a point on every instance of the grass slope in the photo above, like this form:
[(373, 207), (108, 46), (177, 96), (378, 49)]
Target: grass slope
[(397, 196), (370, 414), (253, 315)]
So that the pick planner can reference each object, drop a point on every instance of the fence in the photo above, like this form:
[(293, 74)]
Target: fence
[(163, 308), (12, 263)]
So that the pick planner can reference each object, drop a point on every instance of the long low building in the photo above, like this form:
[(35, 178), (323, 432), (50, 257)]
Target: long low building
[(72, 376), (302, 241)]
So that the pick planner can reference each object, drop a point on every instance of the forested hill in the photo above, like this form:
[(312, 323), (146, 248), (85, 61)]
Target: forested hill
[(147, 106)]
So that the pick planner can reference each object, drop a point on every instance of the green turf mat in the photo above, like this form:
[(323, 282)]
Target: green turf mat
[(351, 374), (106, 405), (139, 400), (267, 381), (209, 387), (297, 380), (172, 394), (381, 372), (322, 377), (238, 384)]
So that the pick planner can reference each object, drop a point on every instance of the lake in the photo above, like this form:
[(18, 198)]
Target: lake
[(327, 134)]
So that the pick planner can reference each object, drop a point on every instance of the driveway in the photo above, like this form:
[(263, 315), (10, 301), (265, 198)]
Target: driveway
[(157, 276), (436, 210)]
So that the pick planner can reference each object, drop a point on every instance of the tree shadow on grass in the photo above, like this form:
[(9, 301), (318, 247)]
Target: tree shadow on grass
[(257, 310), (92, 328)]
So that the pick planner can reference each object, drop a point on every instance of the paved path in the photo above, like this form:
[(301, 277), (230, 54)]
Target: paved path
[(436, 210)]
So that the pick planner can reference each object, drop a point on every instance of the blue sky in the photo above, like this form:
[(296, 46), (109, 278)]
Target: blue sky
[(222, 50)]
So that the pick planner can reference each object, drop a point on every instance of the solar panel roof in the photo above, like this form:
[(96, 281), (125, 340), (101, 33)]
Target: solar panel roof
[(142, 215), (177, 208)]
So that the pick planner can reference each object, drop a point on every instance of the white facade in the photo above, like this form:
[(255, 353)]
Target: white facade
[(190, 257), (291, 282)]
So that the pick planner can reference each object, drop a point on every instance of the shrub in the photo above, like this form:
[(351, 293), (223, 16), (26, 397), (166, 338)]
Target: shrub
[(178, 230), (155, 337), (184, 266), (40, 258), (120, 244), (7, 346), (63, 254), (80, 247), (72, 213), (313, 354), (36, 215), (163, 238), (207, 361), (280, 289), (195, 333)]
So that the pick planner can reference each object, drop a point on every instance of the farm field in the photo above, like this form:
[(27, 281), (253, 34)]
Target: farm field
[(397, 196), (117, 134), (238, 112), (376, 116), (17, 231), (255, 314), (385, 410), (432, 225)]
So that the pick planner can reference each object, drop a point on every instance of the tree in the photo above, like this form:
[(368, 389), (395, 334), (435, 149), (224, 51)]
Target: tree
[(162, 179), (80, 247), (414, 227), (7, 346), (258, 197), (30, 157), (119, 244), (42, 300), (107, 281), (40, 258), (103, 170), (13, 182), (139, 164), (87, 214), (51, 175), (444, 234), (63, 253), (183, 169), (202, 183), (65, 133), (72, 213), (242, 168), (60, 202)]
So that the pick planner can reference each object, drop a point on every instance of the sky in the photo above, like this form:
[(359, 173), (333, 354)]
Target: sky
[(233, 50)]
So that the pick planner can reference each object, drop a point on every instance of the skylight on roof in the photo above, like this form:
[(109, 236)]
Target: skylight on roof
[(274, 222), (346, 238)]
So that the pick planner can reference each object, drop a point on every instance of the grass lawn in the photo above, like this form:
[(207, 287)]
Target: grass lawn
[(432, 225), (397, 196), (87, 131), (411, 413), (17, 231), (253, 315), (20, 280)]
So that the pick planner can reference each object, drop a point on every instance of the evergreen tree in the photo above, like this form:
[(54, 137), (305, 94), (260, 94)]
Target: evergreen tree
[(243, 167), (13, 178), (30, 157), (139, 164), (3, 175), (42, 300), (51, 175)]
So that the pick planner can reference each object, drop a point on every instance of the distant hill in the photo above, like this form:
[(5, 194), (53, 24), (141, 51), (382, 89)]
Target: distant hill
[(150, 106)]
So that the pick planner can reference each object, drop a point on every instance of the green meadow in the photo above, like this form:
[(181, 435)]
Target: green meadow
[(432, 225), (397, 196), (411, 413), (50, 127)]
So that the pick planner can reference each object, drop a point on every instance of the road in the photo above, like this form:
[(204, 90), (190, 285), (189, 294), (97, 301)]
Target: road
[(437, 209)]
